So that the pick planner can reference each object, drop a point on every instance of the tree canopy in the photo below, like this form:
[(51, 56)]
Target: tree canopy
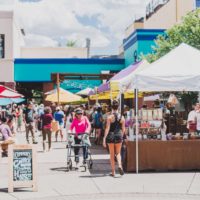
[(71, 43), (188, 31)]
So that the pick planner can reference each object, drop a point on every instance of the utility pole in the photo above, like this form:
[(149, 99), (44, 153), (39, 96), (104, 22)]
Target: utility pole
[(88, 43)]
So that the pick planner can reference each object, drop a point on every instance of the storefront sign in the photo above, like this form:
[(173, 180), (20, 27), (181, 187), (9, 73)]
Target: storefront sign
[(22, 170)]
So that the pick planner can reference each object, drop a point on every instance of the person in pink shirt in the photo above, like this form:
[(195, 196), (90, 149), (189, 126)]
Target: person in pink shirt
[(80, 125), (46, 120)]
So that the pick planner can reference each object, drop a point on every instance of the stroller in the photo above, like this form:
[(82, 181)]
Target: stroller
[(84, 143)]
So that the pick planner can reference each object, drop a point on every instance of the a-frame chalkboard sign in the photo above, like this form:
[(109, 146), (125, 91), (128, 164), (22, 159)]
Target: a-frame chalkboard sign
[(22, 167)]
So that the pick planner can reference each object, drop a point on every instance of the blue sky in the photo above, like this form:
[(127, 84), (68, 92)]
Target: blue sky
[(53, 22)]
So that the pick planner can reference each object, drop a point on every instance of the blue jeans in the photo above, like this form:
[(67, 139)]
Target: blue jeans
[(76, 149)]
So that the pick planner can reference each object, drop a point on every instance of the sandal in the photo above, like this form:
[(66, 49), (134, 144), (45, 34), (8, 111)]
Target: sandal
[(112, 175), (121, 171)]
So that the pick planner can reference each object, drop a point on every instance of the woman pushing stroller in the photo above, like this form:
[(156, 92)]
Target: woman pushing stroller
[(80, 125)]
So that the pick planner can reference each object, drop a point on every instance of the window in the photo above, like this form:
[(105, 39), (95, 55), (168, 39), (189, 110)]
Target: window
[(2, 46), (197, 3)]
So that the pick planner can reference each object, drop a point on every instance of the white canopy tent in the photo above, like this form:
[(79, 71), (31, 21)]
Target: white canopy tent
[(179, 70), (125, 82)]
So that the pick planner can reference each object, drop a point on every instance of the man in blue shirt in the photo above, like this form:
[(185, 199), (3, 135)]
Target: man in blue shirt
[(59, 117)]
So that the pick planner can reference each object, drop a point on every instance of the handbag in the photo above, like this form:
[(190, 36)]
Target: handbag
[(86, 140), (55, 126)]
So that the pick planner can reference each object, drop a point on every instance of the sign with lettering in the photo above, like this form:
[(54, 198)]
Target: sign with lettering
[(22, 170), (22, 165)]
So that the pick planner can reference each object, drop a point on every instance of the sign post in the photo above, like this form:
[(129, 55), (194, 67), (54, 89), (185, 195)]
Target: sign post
[(22, 167)]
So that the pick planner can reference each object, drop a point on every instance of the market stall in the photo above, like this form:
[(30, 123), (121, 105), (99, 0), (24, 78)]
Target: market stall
[(160, 155), (172, 72), (64, 96), (123, 78)]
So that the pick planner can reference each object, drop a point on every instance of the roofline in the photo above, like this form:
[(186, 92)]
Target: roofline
[(143, 30), (68, 61)]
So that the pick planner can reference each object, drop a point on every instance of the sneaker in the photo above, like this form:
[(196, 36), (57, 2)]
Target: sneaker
[(4, 154), (84, 162), (77, 159)]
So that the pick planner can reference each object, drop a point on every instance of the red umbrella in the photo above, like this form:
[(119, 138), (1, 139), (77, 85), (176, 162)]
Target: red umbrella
[(6, 92)]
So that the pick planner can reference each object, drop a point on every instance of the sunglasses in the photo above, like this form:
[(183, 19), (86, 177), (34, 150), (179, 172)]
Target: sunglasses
[(79, 113)]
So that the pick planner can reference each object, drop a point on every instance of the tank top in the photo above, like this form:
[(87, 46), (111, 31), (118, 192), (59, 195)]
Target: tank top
[(116, 124)]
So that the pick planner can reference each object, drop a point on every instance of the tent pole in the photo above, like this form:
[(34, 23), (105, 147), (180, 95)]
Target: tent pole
[(58, 87), (120, 99), (111, 99), (137, 129), (97, 101)]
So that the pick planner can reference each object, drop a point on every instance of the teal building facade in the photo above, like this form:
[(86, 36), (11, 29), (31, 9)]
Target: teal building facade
[(38, 70), (139, 43)]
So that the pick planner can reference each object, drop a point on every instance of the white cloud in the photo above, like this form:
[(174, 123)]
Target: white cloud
[(57, 19), (6, 2), (34, 40)]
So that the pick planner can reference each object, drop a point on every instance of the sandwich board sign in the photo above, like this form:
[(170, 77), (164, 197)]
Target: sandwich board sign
[(22, 167)]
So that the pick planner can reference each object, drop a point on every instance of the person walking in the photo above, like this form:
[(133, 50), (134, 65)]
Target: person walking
[(98, 125), (80, 125), (69, 115), (7, 136), (192, 119), (19, 116), (29, 122), (46, 120), (59, 117), (113, 136), (39, 113)]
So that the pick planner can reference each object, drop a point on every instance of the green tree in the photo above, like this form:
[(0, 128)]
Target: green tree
[(188, 32), (71, 43)]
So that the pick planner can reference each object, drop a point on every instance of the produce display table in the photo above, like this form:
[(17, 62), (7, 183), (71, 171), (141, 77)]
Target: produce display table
[(164, 155)]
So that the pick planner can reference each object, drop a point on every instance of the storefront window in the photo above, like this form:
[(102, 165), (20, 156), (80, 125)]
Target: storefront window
[(2, 46)]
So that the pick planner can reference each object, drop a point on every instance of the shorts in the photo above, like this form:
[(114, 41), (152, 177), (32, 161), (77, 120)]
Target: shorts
[(114, 138), (100, 126), (61, 126)]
